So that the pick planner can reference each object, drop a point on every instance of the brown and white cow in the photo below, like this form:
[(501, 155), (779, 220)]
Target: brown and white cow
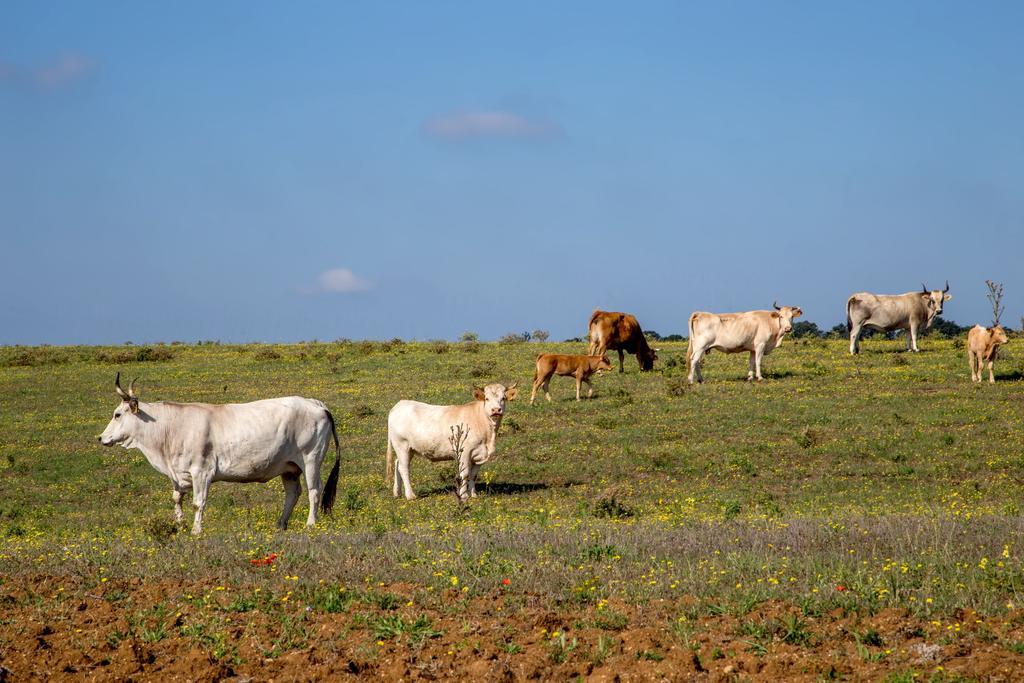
[(580, 367), (982, 346), (913, 311), (620, 332), (755, 331), (423, 429)]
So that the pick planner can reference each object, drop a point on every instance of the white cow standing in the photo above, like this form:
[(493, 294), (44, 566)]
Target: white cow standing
[(913, 312), (416, 428), (755, 331), (196, 444)]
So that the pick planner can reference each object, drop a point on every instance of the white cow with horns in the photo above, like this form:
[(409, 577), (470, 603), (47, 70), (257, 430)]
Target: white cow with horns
[(913, 311), (196, 444), (416, 428)]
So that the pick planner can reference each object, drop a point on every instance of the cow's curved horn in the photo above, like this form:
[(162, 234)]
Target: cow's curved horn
[(947, 287), (512, 386), (776, 305), (117, 387), (131, 388), (924, 289)]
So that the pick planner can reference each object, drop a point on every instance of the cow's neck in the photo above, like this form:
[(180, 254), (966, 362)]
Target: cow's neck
[(489, 429), (149, 436)]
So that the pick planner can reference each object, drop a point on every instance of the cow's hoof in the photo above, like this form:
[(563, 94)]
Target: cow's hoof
[(412, 497)]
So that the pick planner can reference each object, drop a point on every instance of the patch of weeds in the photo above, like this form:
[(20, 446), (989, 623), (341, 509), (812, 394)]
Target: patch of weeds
[(440, 346), (1016, 648), (677, 386), (805, 438), (511, 647), (560, 648), (394, 626), (242, 603), (332, 600), (598, 552), (354, 501), (162, 530), (266, 354), (383, 601), (743, 464), (731, 509), (606, 422), (610, 620), (793, 630), (609, 505), (604, 649), (362, 410), (650, 655)]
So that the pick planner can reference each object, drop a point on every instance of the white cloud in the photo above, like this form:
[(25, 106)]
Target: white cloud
[(465, 125), (341, 280)]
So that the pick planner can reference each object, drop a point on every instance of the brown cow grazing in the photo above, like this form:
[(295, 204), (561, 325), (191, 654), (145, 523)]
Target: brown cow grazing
[(621, 332), (580, 367), (982, 346)]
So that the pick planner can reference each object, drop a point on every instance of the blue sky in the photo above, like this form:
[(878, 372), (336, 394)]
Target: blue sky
[(261, 172)]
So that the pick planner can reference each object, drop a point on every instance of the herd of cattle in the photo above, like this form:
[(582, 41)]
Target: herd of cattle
[(196, 444)]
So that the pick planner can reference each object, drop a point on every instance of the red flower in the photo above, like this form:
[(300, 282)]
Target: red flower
[(263, 561), (840, 587), (505, 582)]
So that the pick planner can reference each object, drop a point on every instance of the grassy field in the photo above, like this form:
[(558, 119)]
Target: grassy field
[(861, 484)]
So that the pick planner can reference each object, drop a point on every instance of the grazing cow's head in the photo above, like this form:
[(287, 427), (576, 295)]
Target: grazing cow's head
[(494, 397), (934, 299), (647, 357), (119, 430), (603, 364), (786, 315)]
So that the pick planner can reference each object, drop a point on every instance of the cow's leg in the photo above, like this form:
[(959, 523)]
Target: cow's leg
[(973, 362), (547, 386), (292, 489), (695, 361), (178, 514), (465, 469), (536, 383), (579, 382), (855, 338), (200, 489), (590, 389), (474, 469), (991, 377), (402, 454), (758, 355), (312, 488), (620, 361), (751, 367), (913, 338)]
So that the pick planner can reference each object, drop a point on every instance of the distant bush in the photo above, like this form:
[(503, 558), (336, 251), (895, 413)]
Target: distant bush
[(266, 354), (440, 346), (513, 338), (27, 358), (469, 337), (805, 328), (540, 335), (139, 354), (945, 329)]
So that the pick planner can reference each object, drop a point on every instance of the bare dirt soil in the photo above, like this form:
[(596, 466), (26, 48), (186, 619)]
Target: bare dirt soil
[(54, 629)]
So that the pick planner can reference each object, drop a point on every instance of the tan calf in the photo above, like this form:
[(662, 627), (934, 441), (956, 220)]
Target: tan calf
[(982, 346), (580, 367)]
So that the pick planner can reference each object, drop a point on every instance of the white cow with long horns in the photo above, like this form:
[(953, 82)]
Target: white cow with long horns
[(196, 444)]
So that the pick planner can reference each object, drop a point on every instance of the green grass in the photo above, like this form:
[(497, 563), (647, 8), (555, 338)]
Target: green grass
[(889, 475)]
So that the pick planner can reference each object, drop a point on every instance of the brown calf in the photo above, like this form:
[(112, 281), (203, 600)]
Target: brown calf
[(580, 367), (982, 346)]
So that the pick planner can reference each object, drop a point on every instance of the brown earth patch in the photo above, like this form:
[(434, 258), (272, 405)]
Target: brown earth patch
[(53, 628)]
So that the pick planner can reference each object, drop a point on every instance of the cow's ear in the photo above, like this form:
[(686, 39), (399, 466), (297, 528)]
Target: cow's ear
[(775, 314), (947, 297), (479, 394), (797, 312), (133, 405), (511, 393)]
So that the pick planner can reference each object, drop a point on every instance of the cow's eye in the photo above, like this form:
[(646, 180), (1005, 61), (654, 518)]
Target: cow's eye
[(117, 416)]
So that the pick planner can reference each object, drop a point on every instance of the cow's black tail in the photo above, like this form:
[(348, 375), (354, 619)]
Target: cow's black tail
[(331, 488), (849, 321)]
